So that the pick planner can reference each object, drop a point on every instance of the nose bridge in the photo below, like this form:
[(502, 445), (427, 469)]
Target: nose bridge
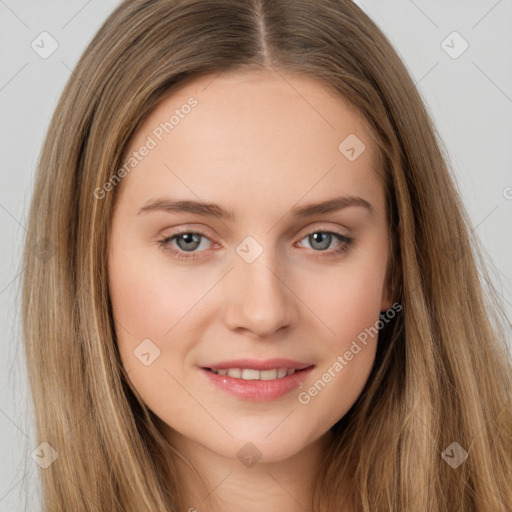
[(259, 298)]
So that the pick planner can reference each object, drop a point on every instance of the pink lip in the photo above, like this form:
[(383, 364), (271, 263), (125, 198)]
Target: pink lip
[(258, 390)]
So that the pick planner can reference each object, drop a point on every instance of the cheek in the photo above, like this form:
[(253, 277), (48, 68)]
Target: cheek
[(147, 301), (347, 298), (347, 303), (145, 310)]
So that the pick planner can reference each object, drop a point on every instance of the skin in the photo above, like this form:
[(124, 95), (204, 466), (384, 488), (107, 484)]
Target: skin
[(259, 144)]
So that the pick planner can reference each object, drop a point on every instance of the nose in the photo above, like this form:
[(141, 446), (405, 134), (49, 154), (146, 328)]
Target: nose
[(260, 299)]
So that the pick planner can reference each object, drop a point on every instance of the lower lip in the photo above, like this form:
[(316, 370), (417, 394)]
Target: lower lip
[(259, 390)]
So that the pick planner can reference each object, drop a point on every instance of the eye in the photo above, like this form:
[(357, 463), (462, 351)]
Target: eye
[(186, 243), (321, 240)]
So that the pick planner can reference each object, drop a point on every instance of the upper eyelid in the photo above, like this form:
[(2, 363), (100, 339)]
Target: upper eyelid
[(304, 231)]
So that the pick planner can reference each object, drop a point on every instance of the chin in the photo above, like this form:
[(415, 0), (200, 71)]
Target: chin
[(256, 446)]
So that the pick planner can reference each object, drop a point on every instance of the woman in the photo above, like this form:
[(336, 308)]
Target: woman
[(363, 374)]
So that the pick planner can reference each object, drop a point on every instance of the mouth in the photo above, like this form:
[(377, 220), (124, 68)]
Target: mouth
[(258, 380)]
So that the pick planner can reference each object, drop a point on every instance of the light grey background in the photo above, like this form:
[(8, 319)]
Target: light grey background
[(470, 98)]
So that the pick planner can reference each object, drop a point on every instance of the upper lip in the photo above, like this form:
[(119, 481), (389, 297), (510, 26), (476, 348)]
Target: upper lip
[(268, 364)]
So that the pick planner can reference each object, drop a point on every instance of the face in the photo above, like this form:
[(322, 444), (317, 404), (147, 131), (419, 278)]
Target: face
[(218, 261)]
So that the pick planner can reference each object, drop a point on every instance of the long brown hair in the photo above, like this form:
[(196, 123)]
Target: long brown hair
[(442, 373)]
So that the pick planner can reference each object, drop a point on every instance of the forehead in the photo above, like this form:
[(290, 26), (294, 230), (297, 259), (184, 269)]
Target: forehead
[(267, 135)]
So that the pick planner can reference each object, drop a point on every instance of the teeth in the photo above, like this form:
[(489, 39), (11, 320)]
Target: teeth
[(268, 374), (248, 374), (251, 374)]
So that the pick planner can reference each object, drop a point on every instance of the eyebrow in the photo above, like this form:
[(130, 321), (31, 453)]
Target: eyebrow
[(217, 211)]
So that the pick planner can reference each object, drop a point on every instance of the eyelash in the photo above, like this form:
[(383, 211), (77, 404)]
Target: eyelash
[(346, 243)]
